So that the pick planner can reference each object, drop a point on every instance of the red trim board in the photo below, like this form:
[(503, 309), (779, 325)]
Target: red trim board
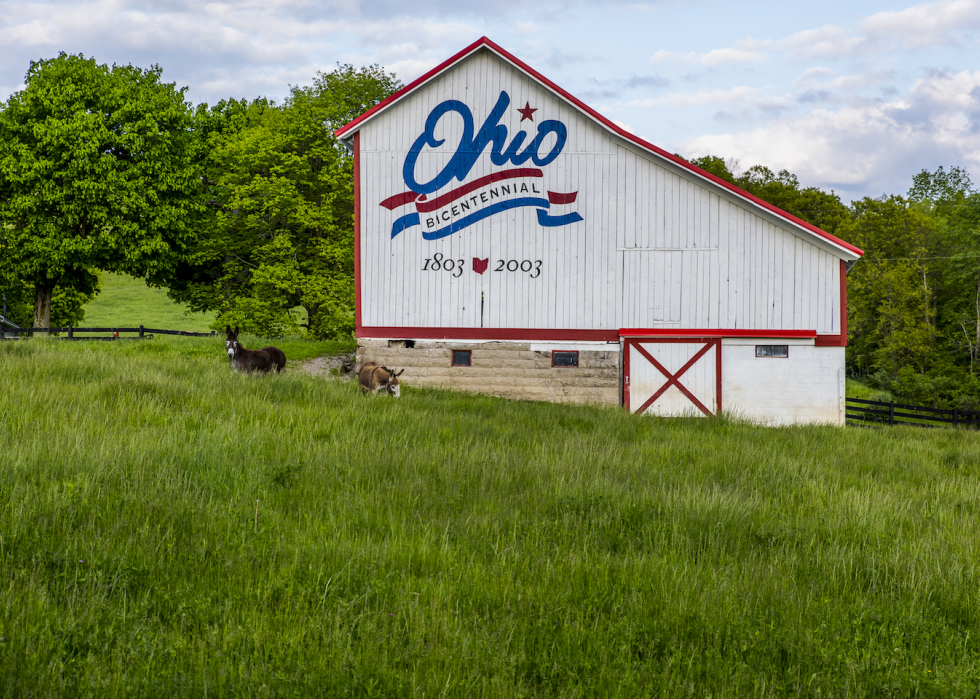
[(839, 340), (484, 42), (357, 230), (579, 335), (489, 334), (703, 332)]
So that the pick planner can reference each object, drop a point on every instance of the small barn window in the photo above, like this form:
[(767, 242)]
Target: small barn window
[(462, 358), (564, 358), (774, 351)]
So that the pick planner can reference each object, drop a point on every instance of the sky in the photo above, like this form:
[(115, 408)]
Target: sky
[(855, 97)]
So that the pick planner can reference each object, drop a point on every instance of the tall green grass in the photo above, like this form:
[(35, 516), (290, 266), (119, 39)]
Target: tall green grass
[(169, 528)]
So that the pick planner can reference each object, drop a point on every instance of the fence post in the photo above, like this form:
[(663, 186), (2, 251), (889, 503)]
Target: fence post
[(891, 414), (956, 417), (71, 332), (141, 332)]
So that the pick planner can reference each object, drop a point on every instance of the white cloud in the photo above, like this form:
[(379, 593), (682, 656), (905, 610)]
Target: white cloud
[(933, 24), (525, 28), (824, 42), (743, 96), (711, 58), (222, 49), (624, 126), (928, 24), (869, 148), (812, 76), (857, 82)]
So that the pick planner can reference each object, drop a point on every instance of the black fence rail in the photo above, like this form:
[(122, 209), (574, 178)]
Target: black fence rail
[(875, 412), (141, 333)]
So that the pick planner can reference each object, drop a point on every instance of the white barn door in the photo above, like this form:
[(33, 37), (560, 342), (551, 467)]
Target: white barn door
[(672, 377)]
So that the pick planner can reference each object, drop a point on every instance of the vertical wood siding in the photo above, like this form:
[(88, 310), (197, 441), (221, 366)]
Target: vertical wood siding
[(655, 249)]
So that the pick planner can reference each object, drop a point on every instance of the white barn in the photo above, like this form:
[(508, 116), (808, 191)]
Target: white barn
[(511, 240)]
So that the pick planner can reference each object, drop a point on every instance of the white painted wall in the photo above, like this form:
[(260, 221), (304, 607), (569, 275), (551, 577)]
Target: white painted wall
[(658, 247), (805, 387)]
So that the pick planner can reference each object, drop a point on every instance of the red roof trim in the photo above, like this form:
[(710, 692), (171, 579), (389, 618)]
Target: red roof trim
[(484, 41), (577, 335), (339, 133), (693, 334), (543, 335)]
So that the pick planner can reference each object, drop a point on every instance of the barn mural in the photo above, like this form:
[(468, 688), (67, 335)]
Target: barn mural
[(493, 207)]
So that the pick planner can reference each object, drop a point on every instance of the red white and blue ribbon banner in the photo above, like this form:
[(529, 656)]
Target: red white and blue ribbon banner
[(486, 196)]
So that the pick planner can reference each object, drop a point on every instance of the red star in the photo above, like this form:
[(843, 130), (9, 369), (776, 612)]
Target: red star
[(527, 112)]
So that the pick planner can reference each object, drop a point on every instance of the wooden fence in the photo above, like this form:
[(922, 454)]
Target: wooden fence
[(875, 412), (70, 331)]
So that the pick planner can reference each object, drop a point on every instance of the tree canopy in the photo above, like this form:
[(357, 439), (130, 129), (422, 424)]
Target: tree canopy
[(98, 170), (281, 229)]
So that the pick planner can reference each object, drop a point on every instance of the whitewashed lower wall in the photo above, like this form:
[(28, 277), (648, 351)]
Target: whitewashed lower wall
[(806, 387)]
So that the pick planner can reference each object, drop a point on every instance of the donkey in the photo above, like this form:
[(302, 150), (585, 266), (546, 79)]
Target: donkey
[(241, 359), (379, 379)]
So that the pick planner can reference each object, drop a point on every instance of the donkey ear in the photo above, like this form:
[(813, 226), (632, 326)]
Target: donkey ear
[(228, 329), (236, 329), (400, 372)]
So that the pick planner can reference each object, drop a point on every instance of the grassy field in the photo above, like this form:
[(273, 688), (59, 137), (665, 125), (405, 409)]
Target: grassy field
[(169, 528), (126, 302)]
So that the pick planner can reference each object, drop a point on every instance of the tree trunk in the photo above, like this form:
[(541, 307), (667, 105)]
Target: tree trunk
[(925, 287), (42, 307)]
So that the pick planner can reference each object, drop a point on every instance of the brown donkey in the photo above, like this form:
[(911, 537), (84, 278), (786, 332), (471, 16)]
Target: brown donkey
[(378, 379), (246, 360)]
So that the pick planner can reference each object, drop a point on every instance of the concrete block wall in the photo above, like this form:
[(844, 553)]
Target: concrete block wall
[(507, 369)]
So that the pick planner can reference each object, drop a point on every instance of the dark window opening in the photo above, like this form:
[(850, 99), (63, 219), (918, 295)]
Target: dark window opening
[(462, 358), (564, 358), (774, 351)]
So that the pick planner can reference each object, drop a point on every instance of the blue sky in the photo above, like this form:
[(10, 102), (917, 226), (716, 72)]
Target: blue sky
[(857, 97)]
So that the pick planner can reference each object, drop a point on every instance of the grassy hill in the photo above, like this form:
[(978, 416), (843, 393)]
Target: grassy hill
[(128, 302), (170, 528)]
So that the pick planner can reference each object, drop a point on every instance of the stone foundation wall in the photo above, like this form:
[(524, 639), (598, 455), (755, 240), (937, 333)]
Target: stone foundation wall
[(507, 369)]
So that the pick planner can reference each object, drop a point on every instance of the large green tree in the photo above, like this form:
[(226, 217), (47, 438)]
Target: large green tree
[(98, 170), (823, 209), (892, 289), (950, 200), (281, 189)]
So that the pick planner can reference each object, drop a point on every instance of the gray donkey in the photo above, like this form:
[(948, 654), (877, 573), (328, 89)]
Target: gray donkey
[(378, 379)]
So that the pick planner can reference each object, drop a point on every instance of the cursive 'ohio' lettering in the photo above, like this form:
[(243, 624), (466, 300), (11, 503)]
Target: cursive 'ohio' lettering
[(472, 146)]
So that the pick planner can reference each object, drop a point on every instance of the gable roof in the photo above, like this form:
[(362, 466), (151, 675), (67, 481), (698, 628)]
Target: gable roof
[(347, 131)]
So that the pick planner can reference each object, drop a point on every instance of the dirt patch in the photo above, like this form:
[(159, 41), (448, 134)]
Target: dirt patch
[(324, 366)]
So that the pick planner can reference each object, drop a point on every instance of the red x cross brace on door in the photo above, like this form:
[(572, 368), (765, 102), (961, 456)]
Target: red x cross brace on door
[(673, 379)]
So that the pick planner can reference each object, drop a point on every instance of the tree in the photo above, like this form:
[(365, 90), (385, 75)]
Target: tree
[(283, 209), (941, 188), (98, 170), (813, 205), (891, 318), (948, 198)]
